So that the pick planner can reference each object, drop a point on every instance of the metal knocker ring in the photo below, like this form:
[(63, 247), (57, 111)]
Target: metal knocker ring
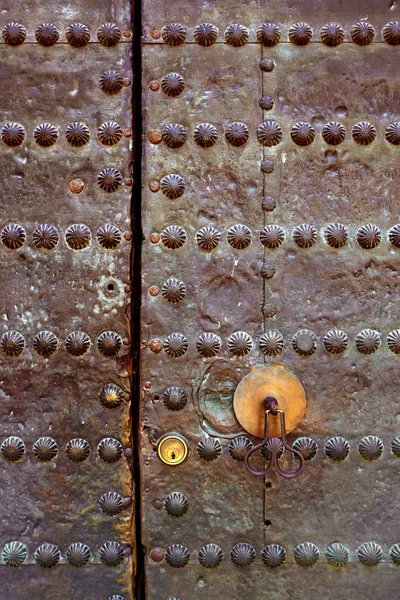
[(275, 444)]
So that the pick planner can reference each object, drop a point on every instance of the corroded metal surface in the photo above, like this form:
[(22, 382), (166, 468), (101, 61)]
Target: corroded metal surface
[(65, 255), (283, 249)]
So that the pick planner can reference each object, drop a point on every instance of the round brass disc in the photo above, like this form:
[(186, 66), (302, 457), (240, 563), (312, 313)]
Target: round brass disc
[(172, 449), (255, 387)]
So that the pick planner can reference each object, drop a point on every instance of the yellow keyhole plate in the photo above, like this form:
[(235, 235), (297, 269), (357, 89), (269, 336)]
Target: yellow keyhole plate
[(269, 381), (172, 449)]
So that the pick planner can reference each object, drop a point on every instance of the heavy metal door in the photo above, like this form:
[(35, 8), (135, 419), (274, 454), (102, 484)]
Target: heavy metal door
[(271, 139), (66, 123)]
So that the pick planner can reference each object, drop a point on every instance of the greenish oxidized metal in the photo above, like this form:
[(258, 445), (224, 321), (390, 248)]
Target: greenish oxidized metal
[(282, 250)]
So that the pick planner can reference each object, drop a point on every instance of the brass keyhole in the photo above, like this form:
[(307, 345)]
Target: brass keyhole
[(172, 449)]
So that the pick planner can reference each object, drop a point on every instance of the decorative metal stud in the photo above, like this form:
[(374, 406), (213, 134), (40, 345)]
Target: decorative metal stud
[(268, 34), (77, 134), (368, 236), (172, 186), (337, 555), (118, 597), (14, 554), (45, 135), (333, 133), (109, 133), (395, 446), (369, 554), (14, 34), (109, 236), (302, 133), (236, 35), (271, 343), (78, 35), (243, 554), (266, 65), (175, 345), (267, 166), (45, 449), (306, 554), (370, 447), (12, 134), (174, 135), (239, 236), (266, 103), (268, 271), (307, 446), (208, 238), (111, 395), (394, 554), (12, 343), (172, 84), (335, 341), (111, 503), (78, 236), (45, 237), (273, 556), (173, 290), (209, 449), (272, 444), (394, 236), (205, 135), (268, 203), (109, 450), (392, 133), (368, 341), (78, 554), (304, 342), (391, 33), (237, 133), (269, 133), (173, 34), (177, 556), (109, 343), (336, 235), (77, 450), (175, 398), (337, 448), (305, 235), (176, 504), (109, 34), (300, 34), (13, 236), (240, 344), (77, 343), (239, 447), (47, 555), (393, 341), (364, 133), (205, 34), (109, 179), (173, 237), (332, 34), (362, 33), (111, 554), (272, 236), (47, 34), (111, 82), (208, 345), (12, 449), (45, 343), (210, 556)]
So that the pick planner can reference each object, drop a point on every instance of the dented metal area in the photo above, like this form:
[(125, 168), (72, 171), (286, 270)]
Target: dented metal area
[(271, 237), (65, 160)]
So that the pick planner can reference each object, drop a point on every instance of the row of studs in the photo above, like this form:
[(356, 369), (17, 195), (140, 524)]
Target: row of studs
[(77, 35), (269, 34), (45, 449), (111, 554), (270, 133), (336, 448), (77, 343), (46, 237), (77, 134), (271, 343), (275, 555)]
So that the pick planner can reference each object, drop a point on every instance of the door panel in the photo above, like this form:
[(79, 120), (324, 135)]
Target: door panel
[(65, 274), (332, 306)]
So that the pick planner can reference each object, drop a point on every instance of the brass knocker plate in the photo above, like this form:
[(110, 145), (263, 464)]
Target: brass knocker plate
[(273, 381)]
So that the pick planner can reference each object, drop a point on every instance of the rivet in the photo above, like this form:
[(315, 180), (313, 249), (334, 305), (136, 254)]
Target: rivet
[(157, 554), (127, 289), (128, 551), (158, 504), (155, 136), (154, 290), (128, 181), (154, 85), (128, 452), (155, 34), (127, 82), (147, 385), (127, 132), (155, 346), (126, 341), (154, 186), (154, 238), (126, 33), (76, 186), (126, 502), (128, 236)]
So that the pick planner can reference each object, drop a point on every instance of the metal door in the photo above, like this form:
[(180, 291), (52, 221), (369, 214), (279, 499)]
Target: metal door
[(271, 237), (66, 131)]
